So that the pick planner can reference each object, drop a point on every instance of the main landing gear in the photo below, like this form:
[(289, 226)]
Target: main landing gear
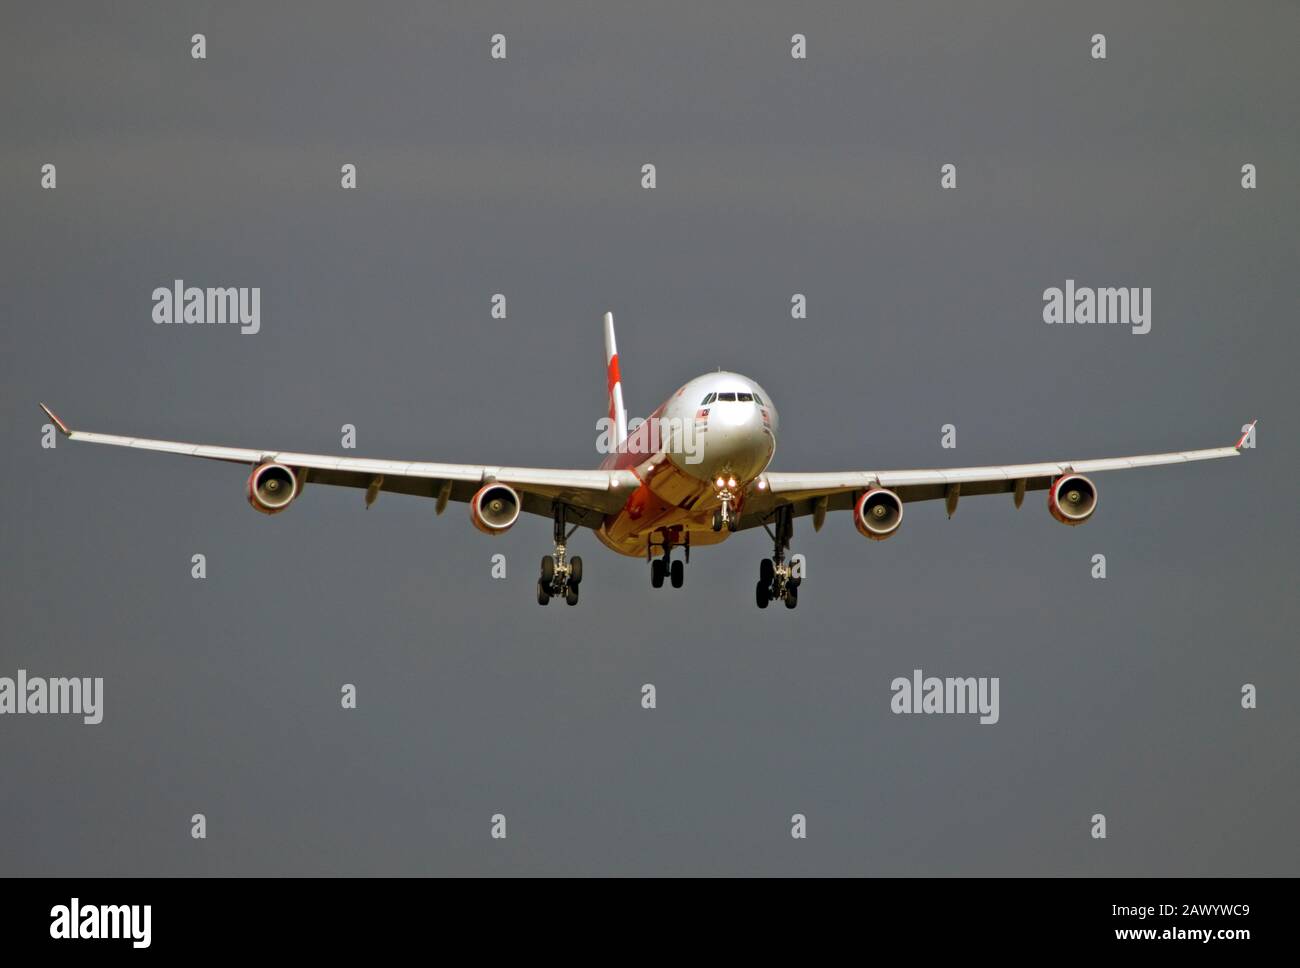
[(776, 579), (664, 567), (561, 575)]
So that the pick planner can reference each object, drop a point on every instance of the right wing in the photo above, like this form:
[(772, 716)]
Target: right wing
[(818, 492), (588, 494)]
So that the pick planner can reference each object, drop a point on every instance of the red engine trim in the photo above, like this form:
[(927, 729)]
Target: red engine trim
[(256, 502), (860, 504), (1054, 508), (477, 519)]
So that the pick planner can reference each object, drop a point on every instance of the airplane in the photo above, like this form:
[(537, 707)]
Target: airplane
[(702, 480)]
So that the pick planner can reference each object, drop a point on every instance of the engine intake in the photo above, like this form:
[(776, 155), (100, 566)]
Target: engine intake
[(495, 508), (271, 487), (1071, 499), (877, 513)]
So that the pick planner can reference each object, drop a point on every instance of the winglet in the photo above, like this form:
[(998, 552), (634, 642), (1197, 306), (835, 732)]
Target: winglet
[(1249, 427), (63, 428)]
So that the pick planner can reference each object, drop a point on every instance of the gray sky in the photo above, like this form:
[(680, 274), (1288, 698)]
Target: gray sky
[(775, 176)]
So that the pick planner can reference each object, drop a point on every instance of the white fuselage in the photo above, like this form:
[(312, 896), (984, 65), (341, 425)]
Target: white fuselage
[(717, 427)]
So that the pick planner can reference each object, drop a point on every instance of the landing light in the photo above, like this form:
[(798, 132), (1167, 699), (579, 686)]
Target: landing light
[(762, 485), (720, 482), (731, 482)]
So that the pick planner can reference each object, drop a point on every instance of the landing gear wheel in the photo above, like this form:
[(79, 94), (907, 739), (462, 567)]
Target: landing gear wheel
[(732, 523), (766, 571), (761, 597), (677, 571), (561, 575), (657, 573), (717, 520), (791, 596)]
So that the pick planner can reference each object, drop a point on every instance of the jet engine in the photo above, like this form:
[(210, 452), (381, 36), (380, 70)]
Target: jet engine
[(877, 513), (271, 487), (495, 508), (1071, 499)]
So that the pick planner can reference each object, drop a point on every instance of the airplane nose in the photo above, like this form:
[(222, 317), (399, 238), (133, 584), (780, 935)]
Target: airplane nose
[(733, 415), (734, 443)]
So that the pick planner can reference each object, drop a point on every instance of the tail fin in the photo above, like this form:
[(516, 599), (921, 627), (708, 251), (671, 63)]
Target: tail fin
[(617, 412)]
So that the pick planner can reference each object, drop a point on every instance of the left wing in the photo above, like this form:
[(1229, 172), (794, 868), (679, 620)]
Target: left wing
[(816, 493), (588, 494)]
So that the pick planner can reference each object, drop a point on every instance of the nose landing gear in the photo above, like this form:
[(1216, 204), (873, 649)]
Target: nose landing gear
[(776, 578), (561, 575), (725, 516)]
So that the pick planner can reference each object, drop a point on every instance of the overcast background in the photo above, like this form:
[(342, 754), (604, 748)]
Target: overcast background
[(775, 176)]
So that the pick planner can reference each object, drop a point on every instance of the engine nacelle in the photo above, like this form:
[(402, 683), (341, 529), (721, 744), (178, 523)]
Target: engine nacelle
[(877, 513), (495, 508), (1071, 499), (271, 487)]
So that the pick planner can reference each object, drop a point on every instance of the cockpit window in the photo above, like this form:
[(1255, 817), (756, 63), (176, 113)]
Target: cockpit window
[(759, 400), (726, 398), (709, 399), (745, 397)]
